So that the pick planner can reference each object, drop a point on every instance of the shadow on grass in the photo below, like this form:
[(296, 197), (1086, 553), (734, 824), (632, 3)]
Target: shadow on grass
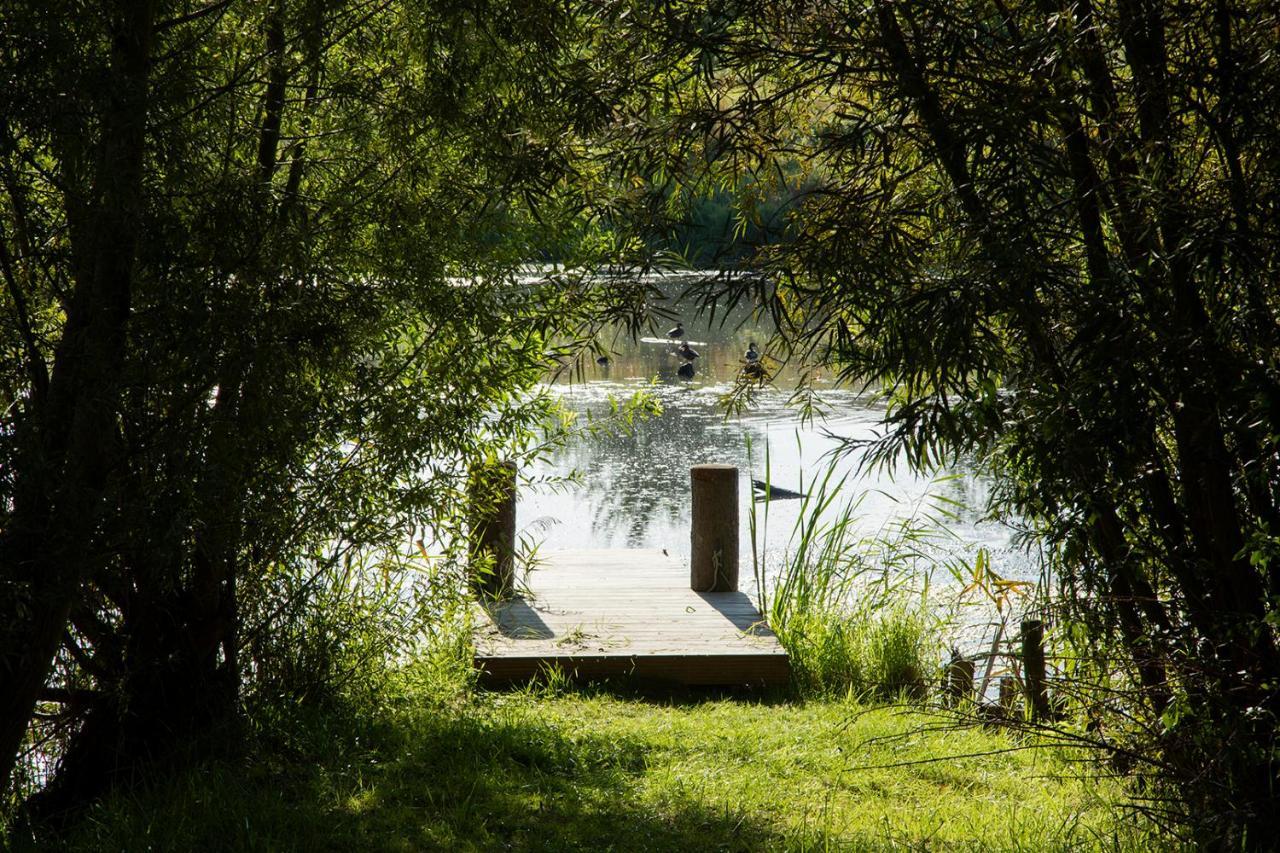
[(531, 786), (457, 782)]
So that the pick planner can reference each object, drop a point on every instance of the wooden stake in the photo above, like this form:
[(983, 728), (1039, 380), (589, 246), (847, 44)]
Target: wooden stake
[(959, 679), (713, 565), (1033, 669), (492, 496)]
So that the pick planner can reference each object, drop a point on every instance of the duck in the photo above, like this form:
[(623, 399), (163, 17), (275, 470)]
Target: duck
[(686, 352), (752, 353), (602, 360), (677, 333), (685, 370)]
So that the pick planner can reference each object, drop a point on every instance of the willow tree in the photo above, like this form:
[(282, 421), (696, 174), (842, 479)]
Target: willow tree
[(259, 309), (1049, 231)]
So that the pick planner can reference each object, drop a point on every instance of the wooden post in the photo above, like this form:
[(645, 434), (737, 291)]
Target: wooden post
[(960, 674), (1033, 669), (714, 529), (492, 496)]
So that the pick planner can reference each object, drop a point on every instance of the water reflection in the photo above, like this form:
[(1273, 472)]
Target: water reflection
[(634, 490)]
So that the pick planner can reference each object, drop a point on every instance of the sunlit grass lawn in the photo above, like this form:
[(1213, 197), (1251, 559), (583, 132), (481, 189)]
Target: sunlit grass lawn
[(600, 771)]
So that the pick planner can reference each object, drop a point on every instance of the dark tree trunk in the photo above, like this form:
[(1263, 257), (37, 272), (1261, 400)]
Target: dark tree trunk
[(176, 685), (61, 472)]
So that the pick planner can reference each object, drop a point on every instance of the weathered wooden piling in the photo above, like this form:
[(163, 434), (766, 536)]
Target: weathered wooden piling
[(492, 498), (1033, 671), (960, 673), (713, 563)]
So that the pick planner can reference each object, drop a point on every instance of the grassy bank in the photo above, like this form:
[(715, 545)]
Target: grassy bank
[(417, 760), (592, 770)]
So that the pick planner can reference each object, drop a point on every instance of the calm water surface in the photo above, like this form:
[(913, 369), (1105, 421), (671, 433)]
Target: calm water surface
[(633, 488)]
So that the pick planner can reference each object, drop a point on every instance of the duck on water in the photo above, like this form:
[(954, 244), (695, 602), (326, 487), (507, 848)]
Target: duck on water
[(687, 355)]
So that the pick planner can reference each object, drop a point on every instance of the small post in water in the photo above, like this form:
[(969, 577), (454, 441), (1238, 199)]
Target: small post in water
[(1033, 669), (714, 529), (492, 497)]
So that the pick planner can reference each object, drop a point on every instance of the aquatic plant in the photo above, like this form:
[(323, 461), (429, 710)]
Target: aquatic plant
[(853, 609)]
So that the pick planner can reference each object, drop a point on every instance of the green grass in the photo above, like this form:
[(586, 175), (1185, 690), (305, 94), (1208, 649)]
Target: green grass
[(591, 770), (427, 763)]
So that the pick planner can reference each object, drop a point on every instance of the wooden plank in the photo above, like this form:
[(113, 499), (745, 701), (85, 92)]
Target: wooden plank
[(597, 613)]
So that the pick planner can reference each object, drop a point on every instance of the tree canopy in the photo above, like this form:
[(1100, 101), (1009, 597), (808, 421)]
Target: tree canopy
[(1048, 231), (263, 303)]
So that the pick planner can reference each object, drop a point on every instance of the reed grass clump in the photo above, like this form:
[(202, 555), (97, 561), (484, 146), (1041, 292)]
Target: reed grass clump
[(883, 654), (852, 609)]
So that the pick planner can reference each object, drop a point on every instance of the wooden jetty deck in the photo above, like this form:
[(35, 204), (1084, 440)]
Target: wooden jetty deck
[(605, 613)]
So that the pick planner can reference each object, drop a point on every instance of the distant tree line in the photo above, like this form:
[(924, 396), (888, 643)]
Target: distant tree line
[(726, 227)]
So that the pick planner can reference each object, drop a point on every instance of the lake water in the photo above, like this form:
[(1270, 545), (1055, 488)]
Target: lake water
[(633, 488)]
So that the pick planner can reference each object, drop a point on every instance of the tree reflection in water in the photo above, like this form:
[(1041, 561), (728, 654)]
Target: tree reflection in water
[(634, 487)]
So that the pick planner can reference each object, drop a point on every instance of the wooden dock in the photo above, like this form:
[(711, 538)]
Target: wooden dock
[(632, 613)]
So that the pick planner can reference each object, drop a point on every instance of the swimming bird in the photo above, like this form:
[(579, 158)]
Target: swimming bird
[(774, 493), (753, 354), (686, 370), (677, 333), (686, 352), (602, 360)]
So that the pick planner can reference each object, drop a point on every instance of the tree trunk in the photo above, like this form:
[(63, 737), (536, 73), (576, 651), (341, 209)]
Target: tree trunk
[(61, 473)]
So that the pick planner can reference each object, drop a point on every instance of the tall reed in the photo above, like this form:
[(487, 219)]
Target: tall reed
[(853, 609)]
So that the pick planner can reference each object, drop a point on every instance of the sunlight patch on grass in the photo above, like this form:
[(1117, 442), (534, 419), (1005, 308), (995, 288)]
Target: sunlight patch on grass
[(592, 770)]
